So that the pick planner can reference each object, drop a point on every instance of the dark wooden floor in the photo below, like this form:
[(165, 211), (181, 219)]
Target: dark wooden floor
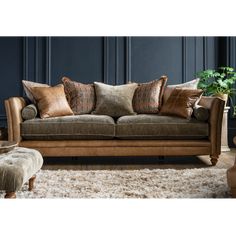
[(226, 160)]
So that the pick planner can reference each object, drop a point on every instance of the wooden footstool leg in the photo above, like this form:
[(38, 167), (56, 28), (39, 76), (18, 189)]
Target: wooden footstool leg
[(10, 195), (31, 182)]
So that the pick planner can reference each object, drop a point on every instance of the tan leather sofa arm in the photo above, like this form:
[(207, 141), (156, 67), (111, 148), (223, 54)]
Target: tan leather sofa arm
[(216, 107), (14, 106)]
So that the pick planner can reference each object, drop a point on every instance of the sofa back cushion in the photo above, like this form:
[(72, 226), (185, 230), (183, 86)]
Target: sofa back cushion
[(148, 96), (170, 88), (114, 101), (51, 101), (28, 85), (81, 97), (181, 102)]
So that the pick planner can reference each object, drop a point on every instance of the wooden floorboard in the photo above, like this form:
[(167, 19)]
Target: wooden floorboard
[(226, 160)]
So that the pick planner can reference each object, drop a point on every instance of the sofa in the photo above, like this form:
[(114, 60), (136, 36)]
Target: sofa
[(130, 135)]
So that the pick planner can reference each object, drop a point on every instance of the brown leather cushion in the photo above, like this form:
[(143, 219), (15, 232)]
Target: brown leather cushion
[(181, 102), (148, 96), (170, 88), (28, 85), (81, 97), (51, 101)]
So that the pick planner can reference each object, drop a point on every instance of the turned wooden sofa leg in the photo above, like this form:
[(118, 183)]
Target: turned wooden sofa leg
[(31, 182), (214, 159), (10, 195)]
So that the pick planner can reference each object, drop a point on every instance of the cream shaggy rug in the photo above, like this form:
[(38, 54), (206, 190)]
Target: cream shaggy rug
[(144, 183)]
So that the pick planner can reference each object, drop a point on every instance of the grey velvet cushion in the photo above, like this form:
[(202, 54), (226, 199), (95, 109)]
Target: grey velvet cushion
[(201, 113), (29, 112), (114, 101), (17, 167), (160, 127), (76, 127)]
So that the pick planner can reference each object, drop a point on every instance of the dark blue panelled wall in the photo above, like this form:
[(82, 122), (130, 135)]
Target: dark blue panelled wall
[(112, 60)]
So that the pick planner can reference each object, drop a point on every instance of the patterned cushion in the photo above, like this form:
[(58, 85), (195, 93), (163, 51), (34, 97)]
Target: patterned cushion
[(188, 85), (81, 97), (28, 85), (148, 96), (181, 102), (114, 101), (51, 101)]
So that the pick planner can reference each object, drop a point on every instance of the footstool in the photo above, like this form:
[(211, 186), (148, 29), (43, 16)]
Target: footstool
[(17, 167), (231, 176)]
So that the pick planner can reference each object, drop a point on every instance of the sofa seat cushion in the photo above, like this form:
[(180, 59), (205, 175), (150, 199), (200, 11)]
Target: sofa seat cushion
[(69, 128), (160, 127)]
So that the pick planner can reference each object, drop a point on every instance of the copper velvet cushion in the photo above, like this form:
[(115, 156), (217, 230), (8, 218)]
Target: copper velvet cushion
[(188, 85), (81, 97), (114, 101), (181, 102), (51, 101), (148, 96), (28, 85)]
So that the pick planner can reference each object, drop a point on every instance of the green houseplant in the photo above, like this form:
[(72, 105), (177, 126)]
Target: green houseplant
[(218, 83)]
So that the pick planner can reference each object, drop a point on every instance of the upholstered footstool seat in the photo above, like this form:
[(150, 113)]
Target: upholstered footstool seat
[(17, 167)]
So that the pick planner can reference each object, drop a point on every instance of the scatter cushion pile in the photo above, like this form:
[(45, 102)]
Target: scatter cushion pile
[(181, 102), (81, 97), (28, 85), (114, 101), (51, 101), (148, 96), (72, 97)]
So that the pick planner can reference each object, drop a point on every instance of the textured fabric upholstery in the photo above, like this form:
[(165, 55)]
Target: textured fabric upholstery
[(17, 167), (69, 128), (148, 96), (201, 113), (160, 127), (29, 112), (114, 101), (81, 97)]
